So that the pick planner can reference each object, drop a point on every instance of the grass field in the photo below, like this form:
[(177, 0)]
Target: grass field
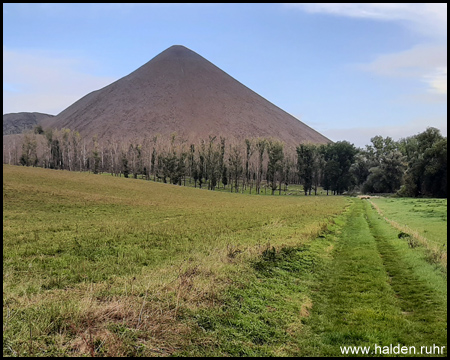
[(357, 285), (94, 259), (426, 216), (424, 220), (377, 290), (106, 266)]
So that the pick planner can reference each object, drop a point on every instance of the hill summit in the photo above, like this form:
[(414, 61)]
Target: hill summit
[(179, 91)]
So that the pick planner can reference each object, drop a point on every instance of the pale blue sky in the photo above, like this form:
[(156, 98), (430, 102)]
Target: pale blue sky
[(350, 71)]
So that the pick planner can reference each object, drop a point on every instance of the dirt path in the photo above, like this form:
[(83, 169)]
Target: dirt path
[(375, 291)]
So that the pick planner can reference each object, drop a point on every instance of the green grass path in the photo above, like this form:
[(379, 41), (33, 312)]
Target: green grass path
[(375, 290)]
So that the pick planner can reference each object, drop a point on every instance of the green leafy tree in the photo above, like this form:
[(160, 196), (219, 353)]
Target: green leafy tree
[(306, 165), (387, 176), (318, 169), (380, 147), (360, 169), (426, 173), (386, 166), (339, 157)]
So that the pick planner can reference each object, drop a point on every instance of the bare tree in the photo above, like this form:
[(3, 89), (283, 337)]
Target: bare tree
[(235, 166), (275, 166)]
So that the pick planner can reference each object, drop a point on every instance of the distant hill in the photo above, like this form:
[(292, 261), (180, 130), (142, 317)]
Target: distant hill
[(179, 91), (16, 123)]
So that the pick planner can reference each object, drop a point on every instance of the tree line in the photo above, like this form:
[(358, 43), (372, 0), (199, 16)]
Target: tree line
[(414, 166)]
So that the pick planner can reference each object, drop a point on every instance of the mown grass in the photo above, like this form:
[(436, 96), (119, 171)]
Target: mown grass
[(357, 284), (97, 265), (375, 289)]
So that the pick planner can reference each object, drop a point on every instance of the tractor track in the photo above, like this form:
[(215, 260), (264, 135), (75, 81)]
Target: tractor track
[(372, 292)]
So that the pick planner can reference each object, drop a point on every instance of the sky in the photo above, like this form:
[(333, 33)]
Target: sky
[(350, 71)]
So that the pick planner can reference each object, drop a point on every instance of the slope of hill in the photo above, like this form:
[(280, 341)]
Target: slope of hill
[(180, 91), (16, 123)]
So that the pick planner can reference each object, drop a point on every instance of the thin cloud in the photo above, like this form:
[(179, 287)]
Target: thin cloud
[(429, 19), (366, 10), (43, 82), (437, 81), (424, 62), (411, 62)]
